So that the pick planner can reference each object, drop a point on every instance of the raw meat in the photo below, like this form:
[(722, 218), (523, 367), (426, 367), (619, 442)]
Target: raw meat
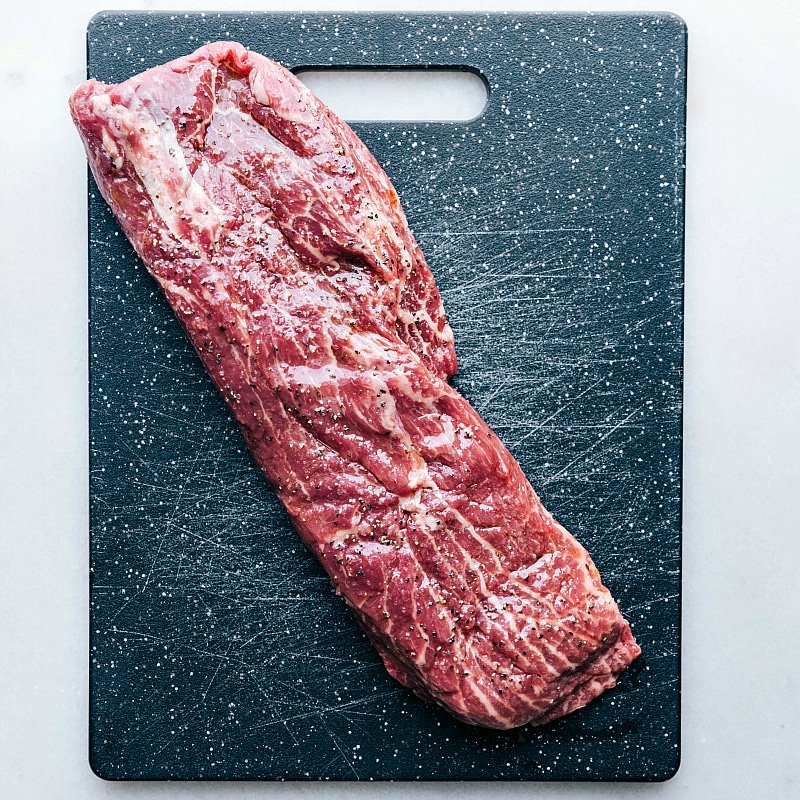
[(283, 250)]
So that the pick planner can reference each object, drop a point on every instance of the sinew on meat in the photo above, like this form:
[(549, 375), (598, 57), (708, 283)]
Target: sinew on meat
[(282, 248)]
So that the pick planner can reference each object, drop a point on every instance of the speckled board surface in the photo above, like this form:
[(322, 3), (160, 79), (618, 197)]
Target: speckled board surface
[(554, 226)]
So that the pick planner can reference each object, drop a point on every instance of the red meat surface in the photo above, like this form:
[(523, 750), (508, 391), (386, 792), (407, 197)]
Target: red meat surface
[(282, 247)]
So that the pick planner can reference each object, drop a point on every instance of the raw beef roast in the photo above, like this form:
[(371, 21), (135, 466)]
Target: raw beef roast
[(282, 248)]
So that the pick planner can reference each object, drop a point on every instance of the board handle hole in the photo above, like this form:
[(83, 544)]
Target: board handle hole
[(399, 94)]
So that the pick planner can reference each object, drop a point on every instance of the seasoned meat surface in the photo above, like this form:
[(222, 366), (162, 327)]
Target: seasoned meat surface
[(282, 247)]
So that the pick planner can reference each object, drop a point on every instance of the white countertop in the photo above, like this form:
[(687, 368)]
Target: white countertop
[(741, 694)]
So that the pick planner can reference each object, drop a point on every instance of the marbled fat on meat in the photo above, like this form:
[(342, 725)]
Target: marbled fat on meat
[(283, 250)]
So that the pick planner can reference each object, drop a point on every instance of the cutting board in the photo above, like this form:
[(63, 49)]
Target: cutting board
[(554, 226)]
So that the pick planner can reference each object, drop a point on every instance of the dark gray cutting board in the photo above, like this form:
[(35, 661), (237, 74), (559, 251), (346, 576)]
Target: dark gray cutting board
[(554, 226)]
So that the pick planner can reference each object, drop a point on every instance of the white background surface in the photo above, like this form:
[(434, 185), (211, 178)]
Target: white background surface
[(741, 698)]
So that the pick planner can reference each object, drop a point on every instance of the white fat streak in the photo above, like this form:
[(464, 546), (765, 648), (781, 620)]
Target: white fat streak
[(412, 319), (491, 706), (313, 377), (260, 78), (160, 164), (404, 385), (444, 438), (388, 408), (475, 535), (366, 345), (113, 152), (181, 291), (258, 85), (413, 504), (337, 541), (420, 477), (371, 549), (421, 655), (523, 573)]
